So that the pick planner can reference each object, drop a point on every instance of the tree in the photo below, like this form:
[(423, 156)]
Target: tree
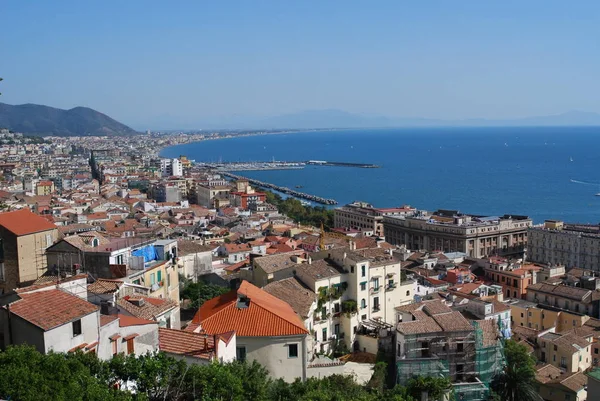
[(200, 292), (28, 375), (435, 386), (516, 381)]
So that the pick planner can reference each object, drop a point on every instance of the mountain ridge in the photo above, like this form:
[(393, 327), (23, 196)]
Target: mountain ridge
[(35, 119)]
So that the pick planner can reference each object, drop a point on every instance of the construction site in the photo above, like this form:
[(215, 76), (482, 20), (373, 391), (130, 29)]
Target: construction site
[(438, 344)]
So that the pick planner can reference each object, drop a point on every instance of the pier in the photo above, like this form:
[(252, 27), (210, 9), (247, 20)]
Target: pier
[(280, 165), (285, 190)]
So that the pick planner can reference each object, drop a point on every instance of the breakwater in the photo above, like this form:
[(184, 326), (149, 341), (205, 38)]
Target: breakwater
[(285, 190)]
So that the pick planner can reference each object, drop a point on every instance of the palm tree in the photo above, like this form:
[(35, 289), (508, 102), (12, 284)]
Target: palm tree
[(517, 381)]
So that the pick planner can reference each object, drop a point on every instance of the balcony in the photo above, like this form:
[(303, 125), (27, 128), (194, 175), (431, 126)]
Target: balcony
[(390, 287), (374, 290)]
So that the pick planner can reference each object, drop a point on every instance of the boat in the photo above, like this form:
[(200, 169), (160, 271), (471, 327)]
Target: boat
[(571, 158), (598, 194), (299, 186)]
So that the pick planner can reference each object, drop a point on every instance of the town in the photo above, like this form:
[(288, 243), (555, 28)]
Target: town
[(109, 249)]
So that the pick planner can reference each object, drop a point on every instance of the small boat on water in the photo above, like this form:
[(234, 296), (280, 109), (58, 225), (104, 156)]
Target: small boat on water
[(571, 158), (598, 194), (299, 186)]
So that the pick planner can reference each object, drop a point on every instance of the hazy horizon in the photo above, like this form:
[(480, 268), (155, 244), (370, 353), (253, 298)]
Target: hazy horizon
[(150, 64)]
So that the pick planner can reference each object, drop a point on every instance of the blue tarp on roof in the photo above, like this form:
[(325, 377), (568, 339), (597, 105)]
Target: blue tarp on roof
[(148, 252)]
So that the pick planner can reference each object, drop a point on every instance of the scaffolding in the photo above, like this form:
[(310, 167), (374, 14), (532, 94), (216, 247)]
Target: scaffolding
[(465, 357)]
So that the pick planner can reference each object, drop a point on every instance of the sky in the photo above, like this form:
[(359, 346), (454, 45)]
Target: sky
[(147, 62)]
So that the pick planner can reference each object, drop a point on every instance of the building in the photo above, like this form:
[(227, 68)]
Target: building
[(555, 385), (267, 330), (145, 262), (543, 317), (571, 245), (198, 348), (44, 188), (593, 389), (514, 278), (24, 238), (166, 192), (194, 259), (452, 231), (364, 217), (573, 299), (171, 168), (211, 195), (244, 196), (434, 340), (51, 319)]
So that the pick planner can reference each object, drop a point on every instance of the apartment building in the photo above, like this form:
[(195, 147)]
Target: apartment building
[(571, 245), (574, 299), (211, 196), (24, 238), (363, 216), (171, 168), (452, 231), (145, 262), (514, 278), (543, 317), (434, 340)]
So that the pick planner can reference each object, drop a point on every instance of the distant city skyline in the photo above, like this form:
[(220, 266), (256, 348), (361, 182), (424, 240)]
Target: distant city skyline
[(150, 65)]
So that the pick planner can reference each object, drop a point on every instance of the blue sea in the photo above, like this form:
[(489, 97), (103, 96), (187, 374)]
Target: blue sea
[(549, 172)]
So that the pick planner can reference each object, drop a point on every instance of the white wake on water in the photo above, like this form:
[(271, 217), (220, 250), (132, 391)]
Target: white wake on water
[(585, 182)]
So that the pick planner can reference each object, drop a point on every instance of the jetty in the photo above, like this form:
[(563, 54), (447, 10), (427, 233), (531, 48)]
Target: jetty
[(285, 190), (280, 165)]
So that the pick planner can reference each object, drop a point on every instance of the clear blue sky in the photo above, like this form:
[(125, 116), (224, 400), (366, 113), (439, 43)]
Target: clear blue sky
[(143, 61)]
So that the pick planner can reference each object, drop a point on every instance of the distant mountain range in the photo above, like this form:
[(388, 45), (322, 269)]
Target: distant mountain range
[(43, 120), (36, 119), (337, 118), (341, 119)]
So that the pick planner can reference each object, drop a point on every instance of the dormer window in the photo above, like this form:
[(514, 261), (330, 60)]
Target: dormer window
[(95, 242)]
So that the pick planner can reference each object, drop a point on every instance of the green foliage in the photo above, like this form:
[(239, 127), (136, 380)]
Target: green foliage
[(435, 386), (517, 381), (28, 375), (200, 292), (308, 215), (349, 307)]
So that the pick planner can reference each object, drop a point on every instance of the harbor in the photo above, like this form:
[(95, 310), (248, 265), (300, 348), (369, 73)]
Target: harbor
[(285, 190), (280, 165)]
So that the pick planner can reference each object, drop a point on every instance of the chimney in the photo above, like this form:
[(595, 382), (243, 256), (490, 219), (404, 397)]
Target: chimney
[(352, 245), (309, 260)]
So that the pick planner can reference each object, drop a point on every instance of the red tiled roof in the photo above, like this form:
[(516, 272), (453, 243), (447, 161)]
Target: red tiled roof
[(24, 222), (265, 315), (186, 343), (51, 308), (106, 319), (126, 321)]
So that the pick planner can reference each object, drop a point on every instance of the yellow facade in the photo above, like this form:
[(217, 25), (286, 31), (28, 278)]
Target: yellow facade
[(537, 318)]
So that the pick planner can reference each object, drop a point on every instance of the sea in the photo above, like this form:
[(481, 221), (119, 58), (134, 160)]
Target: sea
[(542, 172)]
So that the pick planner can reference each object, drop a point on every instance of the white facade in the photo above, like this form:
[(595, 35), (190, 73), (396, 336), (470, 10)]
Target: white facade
[(171, 167), (274, 354)]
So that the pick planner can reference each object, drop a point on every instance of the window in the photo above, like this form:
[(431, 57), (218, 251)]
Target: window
[(76, 327), (324, 334), (240, 353), (352, 269), (391, 282), (555, 348), (363, 303), (293, 351), (376, 284), (363, 286), (521, 314), (563, 362), (159, 276), (363, 271), (336, 329), (363, 317), (596, 351), (114, 347), (168, 279), (48, 239), (152, 279), (1, 271), (376, 303), (130, 347), (408, 293)]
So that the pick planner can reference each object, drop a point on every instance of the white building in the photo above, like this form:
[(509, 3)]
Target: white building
[(171, 168), (267, 330)]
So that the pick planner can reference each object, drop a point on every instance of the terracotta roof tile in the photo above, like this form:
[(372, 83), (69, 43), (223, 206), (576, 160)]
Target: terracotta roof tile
[(51, 308), (126, 321), (106, 319), (265, 315), (186, 343), (104, 286), (24, 222), (291, 291), (151, 308)]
